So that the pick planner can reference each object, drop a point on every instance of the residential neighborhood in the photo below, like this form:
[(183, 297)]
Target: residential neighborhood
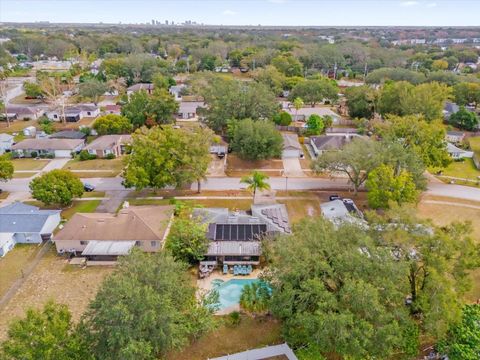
[(290, 189)]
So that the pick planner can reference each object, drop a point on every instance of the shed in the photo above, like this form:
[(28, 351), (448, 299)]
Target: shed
[(30, 131)]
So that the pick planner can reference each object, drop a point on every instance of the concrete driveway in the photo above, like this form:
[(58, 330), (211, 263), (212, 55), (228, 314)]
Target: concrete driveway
[(292, 167), (216, 168)]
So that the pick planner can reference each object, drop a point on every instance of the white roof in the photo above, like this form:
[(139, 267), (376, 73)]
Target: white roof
[(451, 149), (6, 137), (114, 248), (334, 210)]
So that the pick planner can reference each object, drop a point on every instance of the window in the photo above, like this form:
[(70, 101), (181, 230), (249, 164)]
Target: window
[(55, 116), (138, 243), (83, 242), (153, 243), (89, 113)]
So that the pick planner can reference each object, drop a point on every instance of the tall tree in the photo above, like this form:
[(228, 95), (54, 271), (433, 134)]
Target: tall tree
[(6, 168), (112, 124), (45, 334), (92, 89), (136, 108), (464, 119), (146, 308), (467, 93), (256, 181), (360, 101), (164, 156), (315, 91), (58, 187), (297, 104), (384, 186), (162, 107), (187, 240), (337, 290)]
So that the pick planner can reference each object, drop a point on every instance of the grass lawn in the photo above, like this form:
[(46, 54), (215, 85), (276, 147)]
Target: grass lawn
[(113, 165), (29, 164), (475, 144), (16, 126), (11, 265), (95, 174), (234, 163), (4, 195), (299, 209), (22, 100), (94, 194), (59, 126), (444, 214), (54, 279), (462, 169), (23, 175), (84, 206), (229, 339)]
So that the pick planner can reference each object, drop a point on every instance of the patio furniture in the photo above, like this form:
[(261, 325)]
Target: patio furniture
[(250, 269), (225, 269), (235, 269)]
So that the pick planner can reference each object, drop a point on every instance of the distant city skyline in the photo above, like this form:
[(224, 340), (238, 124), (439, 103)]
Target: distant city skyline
[(248, 12)]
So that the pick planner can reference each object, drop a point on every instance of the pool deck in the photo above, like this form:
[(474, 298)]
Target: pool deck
[(205, 285)]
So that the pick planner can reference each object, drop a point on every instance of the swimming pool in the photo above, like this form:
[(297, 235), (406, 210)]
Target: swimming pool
[(229, 292)]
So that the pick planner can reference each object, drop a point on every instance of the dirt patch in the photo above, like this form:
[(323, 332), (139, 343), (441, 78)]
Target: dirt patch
[(234, 163), (54, 279)]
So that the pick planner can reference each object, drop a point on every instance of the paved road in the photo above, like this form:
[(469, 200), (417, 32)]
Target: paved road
[(277, 183)]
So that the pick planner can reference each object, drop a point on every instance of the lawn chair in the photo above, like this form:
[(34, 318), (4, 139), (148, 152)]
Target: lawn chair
[(249, 269), (225, 269), (235, 269), (244, 270)]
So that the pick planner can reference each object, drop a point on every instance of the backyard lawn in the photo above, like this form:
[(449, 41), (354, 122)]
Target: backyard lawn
[(29, 164), (228, 339), (462, 169), (54, 279), (11, 265), (16, 126), (475, 144), (239, 167), (84, 206)]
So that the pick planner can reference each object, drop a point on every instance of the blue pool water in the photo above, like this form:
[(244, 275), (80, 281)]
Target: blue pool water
[(229, 292)]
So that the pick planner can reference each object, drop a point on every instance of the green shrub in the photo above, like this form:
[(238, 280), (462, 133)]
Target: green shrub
[(234, 318), (110, 156), (34, 154), (85, 155)]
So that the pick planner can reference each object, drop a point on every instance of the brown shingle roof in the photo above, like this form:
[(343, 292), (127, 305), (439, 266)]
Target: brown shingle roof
[(47, 144), (134, 223), (106, 142)]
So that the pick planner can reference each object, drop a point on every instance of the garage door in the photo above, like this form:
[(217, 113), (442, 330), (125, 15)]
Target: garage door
[(291, 154), (63, 153)]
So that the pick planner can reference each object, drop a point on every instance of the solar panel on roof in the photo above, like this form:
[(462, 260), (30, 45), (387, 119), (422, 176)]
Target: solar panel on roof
[(239, 232)]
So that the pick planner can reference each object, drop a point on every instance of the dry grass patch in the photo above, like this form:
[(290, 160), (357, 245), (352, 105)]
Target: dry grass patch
[(11, 265), (29, 164), (300, 209), (234, 163), (54, 279), (227, 339), (87, 121), (114, 165), (16, 126), (23, 175)]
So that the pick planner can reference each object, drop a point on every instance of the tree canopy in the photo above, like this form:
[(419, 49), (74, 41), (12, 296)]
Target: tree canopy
[(464, 119), (6, 168), (57, 187), (315, 91), (112, 124)]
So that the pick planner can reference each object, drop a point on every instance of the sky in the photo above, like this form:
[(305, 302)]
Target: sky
[(249, 12)]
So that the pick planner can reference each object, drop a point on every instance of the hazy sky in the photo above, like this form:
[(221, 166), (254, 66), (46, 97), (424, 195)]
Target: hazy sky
[(248, 12)]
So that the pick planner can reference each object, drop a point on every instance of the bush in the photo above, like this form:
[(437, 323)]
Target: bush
[(85, 155), (56, 187), (282, 118), (234, 318), (34, 154), (110, 156)]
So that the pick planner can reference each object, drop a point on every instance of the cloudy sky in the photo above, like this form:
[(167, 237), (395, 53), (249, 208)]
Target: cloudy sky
[(248, 12)]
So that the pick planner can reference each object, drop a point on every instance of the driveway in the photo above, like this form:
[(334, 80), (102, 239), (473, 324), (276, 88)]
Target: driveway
[(292, 167), (216, 168), (112, 202), (55, 164)]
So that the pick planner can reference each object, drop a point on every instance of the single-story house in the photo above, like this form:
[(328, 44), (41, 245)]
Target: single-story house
[(176, 90), (140, 86), (25, 224), (304, 113), (6, 143), (291, 146), (74, 113), (342, 211), (455, 136), (59, 148), (19, 112), (188, 109), (449, 109), (103, 236), (113, 109), (69, 134), (109, 144), (235, 237), (323, 143), (457, 153)]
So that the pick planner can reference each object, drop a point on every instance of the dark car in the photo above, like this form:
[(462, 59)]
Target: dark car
[(221, 154), (88, 187), (334, 197)]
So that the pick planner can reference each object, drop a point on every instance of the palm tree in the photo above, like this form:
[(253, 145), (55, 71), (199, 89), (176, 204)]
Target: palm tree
[(256, 181), (297, 104), (255, 298)]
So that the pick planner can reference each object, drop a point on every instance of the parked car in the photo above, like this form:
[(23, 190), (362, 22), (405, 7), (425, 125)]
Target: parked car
[(334, 197), (88, 187), (220, 154)]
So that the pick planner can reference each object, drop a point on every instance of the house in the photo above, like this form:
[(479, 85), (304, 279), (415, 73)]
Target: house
[(455, 137), (19, 112), (69, 134), (304, 113), (59, 148), (457, 153), (103, 236), (235, 237), (281, 351), (113, 109), (6, 143), (323, 143), (342, 211), (291, 146), (25, 224), (449, 109), (140, 86), (176, 91), (74, 113), (188, 109), (30, 131), (109, 144)]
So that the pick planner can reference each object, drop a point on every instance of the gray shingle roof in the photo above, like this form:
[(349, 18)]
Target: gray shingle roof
[(329, 142), (18, 217)]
